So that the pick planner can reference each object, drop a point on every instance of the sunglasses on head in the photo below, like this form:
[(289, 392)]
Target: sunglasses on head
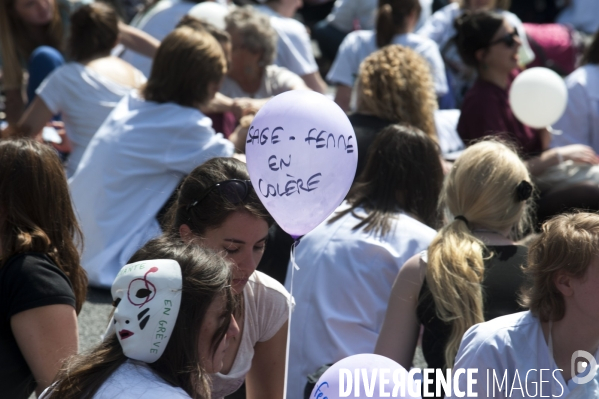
[(235, 191), (509, 39)]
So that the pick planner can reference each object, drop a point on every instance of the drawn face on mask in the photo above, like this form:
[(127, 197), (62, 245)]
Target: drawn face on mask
[(147, 297)]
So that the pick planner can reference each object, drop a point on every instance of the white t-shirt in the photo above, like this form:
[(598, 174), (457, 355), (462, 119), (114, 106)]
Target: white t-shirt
[(134, 380), (128, 171), (446, 123), (510, 344), (84, 98), (360, 44), (342, 290), (266, 310), (582, 15), (580, 122), (159, 21), (294, 48), (275, 80), (346, 11)]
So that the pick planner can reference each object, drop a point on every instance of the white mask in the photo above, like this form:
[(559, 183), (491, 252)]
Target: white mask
[(149, 298)]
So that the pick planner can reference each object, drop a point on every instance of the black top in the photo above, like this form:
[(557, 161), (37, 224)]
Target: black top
[(366, 128), (27, 281), (501, 284)]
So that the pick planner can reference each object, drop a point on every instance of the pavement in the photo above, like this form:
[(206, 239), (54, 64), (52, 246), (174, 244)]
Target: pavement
[(94, 317)]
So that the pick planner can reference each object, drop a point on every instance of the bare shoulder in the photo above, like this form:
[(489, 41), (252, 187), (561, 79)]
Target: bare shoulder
[(117, 70)]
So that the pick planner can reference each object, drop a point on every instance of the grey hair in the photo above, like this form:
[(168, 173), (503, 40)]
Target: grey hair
[(256, 31)]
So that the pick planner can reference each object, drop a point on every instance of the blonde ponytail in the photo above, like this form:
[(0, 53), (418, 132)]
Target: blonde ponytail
[(454, 275)]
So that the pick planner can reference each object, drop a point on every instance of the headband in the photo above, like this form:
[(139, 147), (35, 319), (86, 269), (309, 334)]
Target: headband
[(147, 296)]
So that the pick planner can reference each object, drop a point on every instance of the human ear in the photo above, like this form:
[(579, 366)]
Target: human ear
[(563, 283), (185, 233)]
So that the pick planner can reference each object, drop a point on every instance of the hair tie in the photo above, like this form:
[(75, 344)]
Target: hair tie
[(463, 219), (523, 191)]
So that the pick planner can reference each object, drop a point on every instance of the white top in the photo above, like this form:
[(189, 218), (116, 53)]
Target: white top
[(266, 310), (582, 15), (446, 123), (580, 122), (84, 98), (294, 48), (439, 28), (360, 44), (130, 168), (515, 343), (159, 21), (342, 290), (346, 12), (275, 80), (134, 380)]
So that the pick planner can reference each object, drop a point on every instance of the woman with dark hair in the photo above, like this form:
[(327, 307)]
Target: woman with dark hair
[(217, 207), (487, 42), (149, 142), (472, 269), (171, 328), (553, 348), (42, 285), (440, 28), (395, 23), (86, 90), (348, 263), (580, 122)]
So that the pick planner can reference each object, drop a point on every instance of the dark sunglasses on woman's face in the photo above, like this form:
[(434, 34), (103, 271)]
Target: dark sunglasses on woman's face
[(509, 39)]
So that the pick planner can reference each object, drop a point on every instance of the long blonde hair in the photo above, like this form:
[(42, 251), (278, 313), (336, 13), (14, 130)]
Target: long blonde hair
[(16, 45), (481, 188), (395, 84)]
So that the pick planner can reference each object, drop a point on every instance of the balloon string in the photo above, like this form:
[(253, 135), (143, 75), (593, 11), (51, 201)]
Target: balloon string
[(294, 267)]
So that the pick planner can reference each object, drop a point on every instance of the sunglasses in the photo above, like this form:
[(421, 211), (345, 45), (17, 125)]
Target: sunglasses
[(509, 40), (235, 191)]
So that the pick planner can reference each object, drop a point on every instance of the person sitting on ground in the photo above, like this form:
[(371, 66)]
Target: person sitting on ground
[(347, 263), (86, 90), (42, 285), (149, 142), (294, 47), (171, 327), (472, 270), (253, 47), (539, 350), (580, 122), (217, 207), (395, 23)]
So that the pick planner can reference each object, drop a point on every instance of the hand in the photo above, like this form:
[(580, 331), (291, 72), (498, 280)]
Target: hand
[(245, 106), (65, 146), (578, 153)]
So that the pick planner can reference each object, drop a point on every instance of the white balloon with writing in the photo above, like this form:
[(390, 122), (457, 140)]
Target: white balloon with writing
[(302, 157)]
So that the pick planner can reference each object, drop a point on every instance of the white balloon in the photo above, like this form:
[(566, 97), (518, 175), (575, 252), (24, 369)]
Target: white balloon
[(538, 97)]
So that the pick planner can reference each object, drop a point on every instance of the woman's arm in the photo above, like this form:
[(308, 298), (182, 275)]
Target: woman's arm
[(46, 337), (399, 334), (14, 105), (315, 82), (35, 118), (266, 377), (138, 40), (343, 97), (576, 152)]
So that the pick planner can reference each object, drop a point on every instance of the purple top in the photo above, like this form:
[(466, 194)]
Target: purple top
[(486, 111)]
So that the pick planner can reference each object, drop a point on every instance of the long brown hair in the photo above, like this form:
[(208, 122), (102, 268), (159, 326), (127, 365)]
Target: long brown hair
[(591, 55), (206, 275), (404, 171), (16, 45), (35, 210), (391, 18)]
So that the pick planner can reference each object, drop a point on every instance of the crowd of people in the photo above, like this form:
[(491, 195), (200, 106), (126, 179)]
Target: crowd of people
[(466, 232)]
